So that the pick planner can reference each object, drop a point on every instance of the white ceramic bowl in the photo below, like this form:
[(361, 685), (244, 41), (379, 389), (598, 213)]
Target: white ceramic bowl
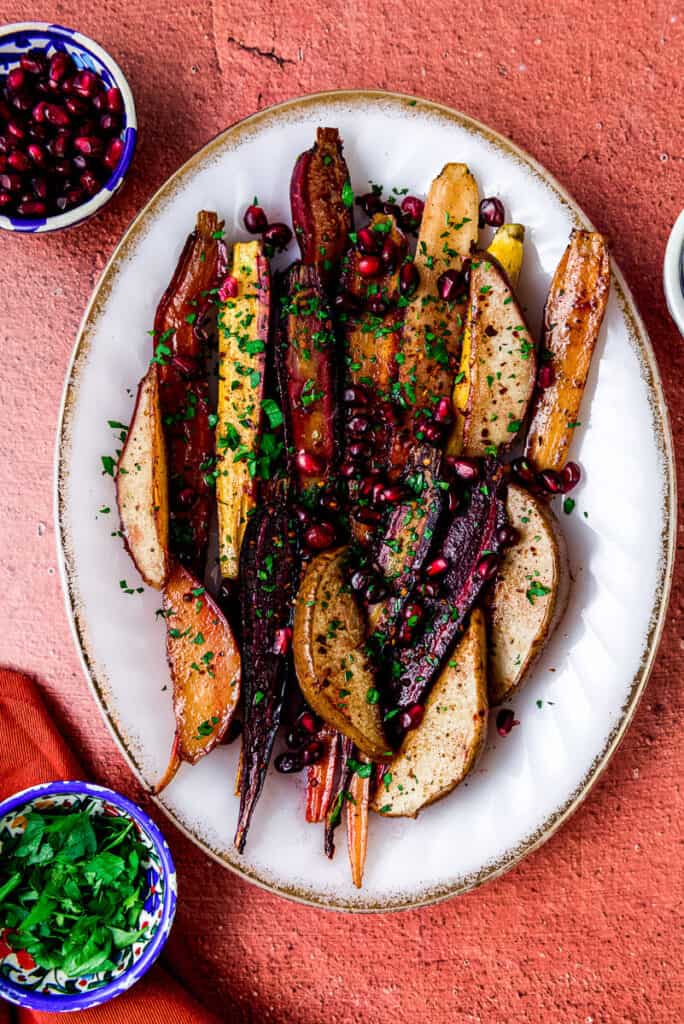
[(673, 273)]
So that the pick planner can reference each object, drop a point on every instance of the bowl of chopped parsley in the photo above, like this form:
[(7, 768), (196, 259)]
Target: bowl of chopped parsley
[(87, 895)]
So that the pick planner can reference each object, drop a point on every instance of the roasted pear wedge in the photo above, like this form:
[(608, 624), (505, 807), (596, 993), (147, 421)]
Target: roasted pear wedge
[(529, 595), (205, 667), (333, 670), (433, 328), (573, 316), (498, 365), (243, 326), (436, 756), (142, 488)]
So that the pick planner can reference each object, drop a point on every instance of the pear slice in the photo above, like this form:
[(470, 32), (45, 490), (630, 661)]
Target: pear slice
[(529, 596), (328, 642), (498, 365), (142, 487)]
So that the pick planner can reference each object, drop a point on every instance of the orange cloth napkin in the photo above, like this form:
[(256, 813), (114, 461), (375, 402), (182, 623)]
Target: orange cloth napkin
[(32, 751)]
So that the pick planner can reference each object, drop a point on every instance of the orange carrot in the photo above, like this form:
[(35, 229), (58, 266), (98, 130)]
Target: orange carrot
[(357, 822), (321, 777)]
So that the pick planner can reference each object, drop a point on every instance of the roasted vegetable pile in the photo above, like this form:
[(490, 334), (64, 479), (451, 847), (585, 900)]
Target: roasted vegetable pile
[(380, 460)]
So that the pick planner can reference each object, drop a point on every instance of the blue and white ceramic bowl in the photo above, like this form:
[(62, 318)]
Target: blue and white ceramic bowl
[(17, 39), (25, 984)]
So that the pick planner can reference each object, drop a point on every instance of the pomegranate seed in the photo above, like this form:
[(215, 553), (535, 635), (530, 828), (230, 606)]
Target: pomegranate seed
[(358, 450), (32, 208), (89, 145), (368, 241), (6, 199), (354, 394), (16, 129), (287, 763), (359, 579), (62, 168), (56, 115), (85, 83), (345, 302), (412, 614), (111, 124), (570, 476), (370, 516), (377, 493), (347, 470), (10, 182), (551, 481), (60, 65), (546, 376), (186, 497), (389, 254), (39, 186), (16, 79), (80, 162), (432, 433), (34, 61), (18, 161), (437, 567), (255, 220), (229, 289), (412, 208), (23, 102), (319, 536), (66, 86), (113, 154), (36, 153), (313, 752), (369, 203), (374, 592), (278, 236), (444, 413), (405, 635), (464, 468), (90, 183), (412, 717), (39, 111), (76, 105), (75, 196), (58, 146), (99, 102), (6, 144), (283, 639), (392, 210), (523, 470), (369, 266), (507, 535), (505, 720), (408, 279), (453, 501), (377, 305), (306, 720), (391, 495), (450, 284), (358, 425), (115, 100), (492, 212), (487, 567)]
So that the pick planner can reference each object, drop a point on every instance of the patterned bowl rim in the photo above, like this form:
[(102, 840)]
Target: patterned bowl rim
[(83, 212), (81, 1001)]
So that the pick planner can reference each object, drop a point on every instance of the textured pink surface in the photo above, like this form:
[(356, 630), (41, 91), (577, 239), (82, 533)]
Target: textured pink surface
[(586, 929)]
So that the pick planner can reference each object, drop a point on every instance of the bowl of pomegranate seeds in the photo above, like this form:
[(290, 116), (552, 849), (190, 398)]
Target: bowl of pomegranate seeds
[(67, 127)]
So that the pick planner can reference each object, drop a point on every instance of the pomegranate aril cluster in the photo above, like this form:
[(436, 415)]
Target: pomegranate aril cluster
[(60, 135)]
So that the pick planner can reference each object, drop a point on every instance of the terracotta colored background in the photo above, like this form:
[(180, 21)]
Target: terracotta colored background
[(586, 930)]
